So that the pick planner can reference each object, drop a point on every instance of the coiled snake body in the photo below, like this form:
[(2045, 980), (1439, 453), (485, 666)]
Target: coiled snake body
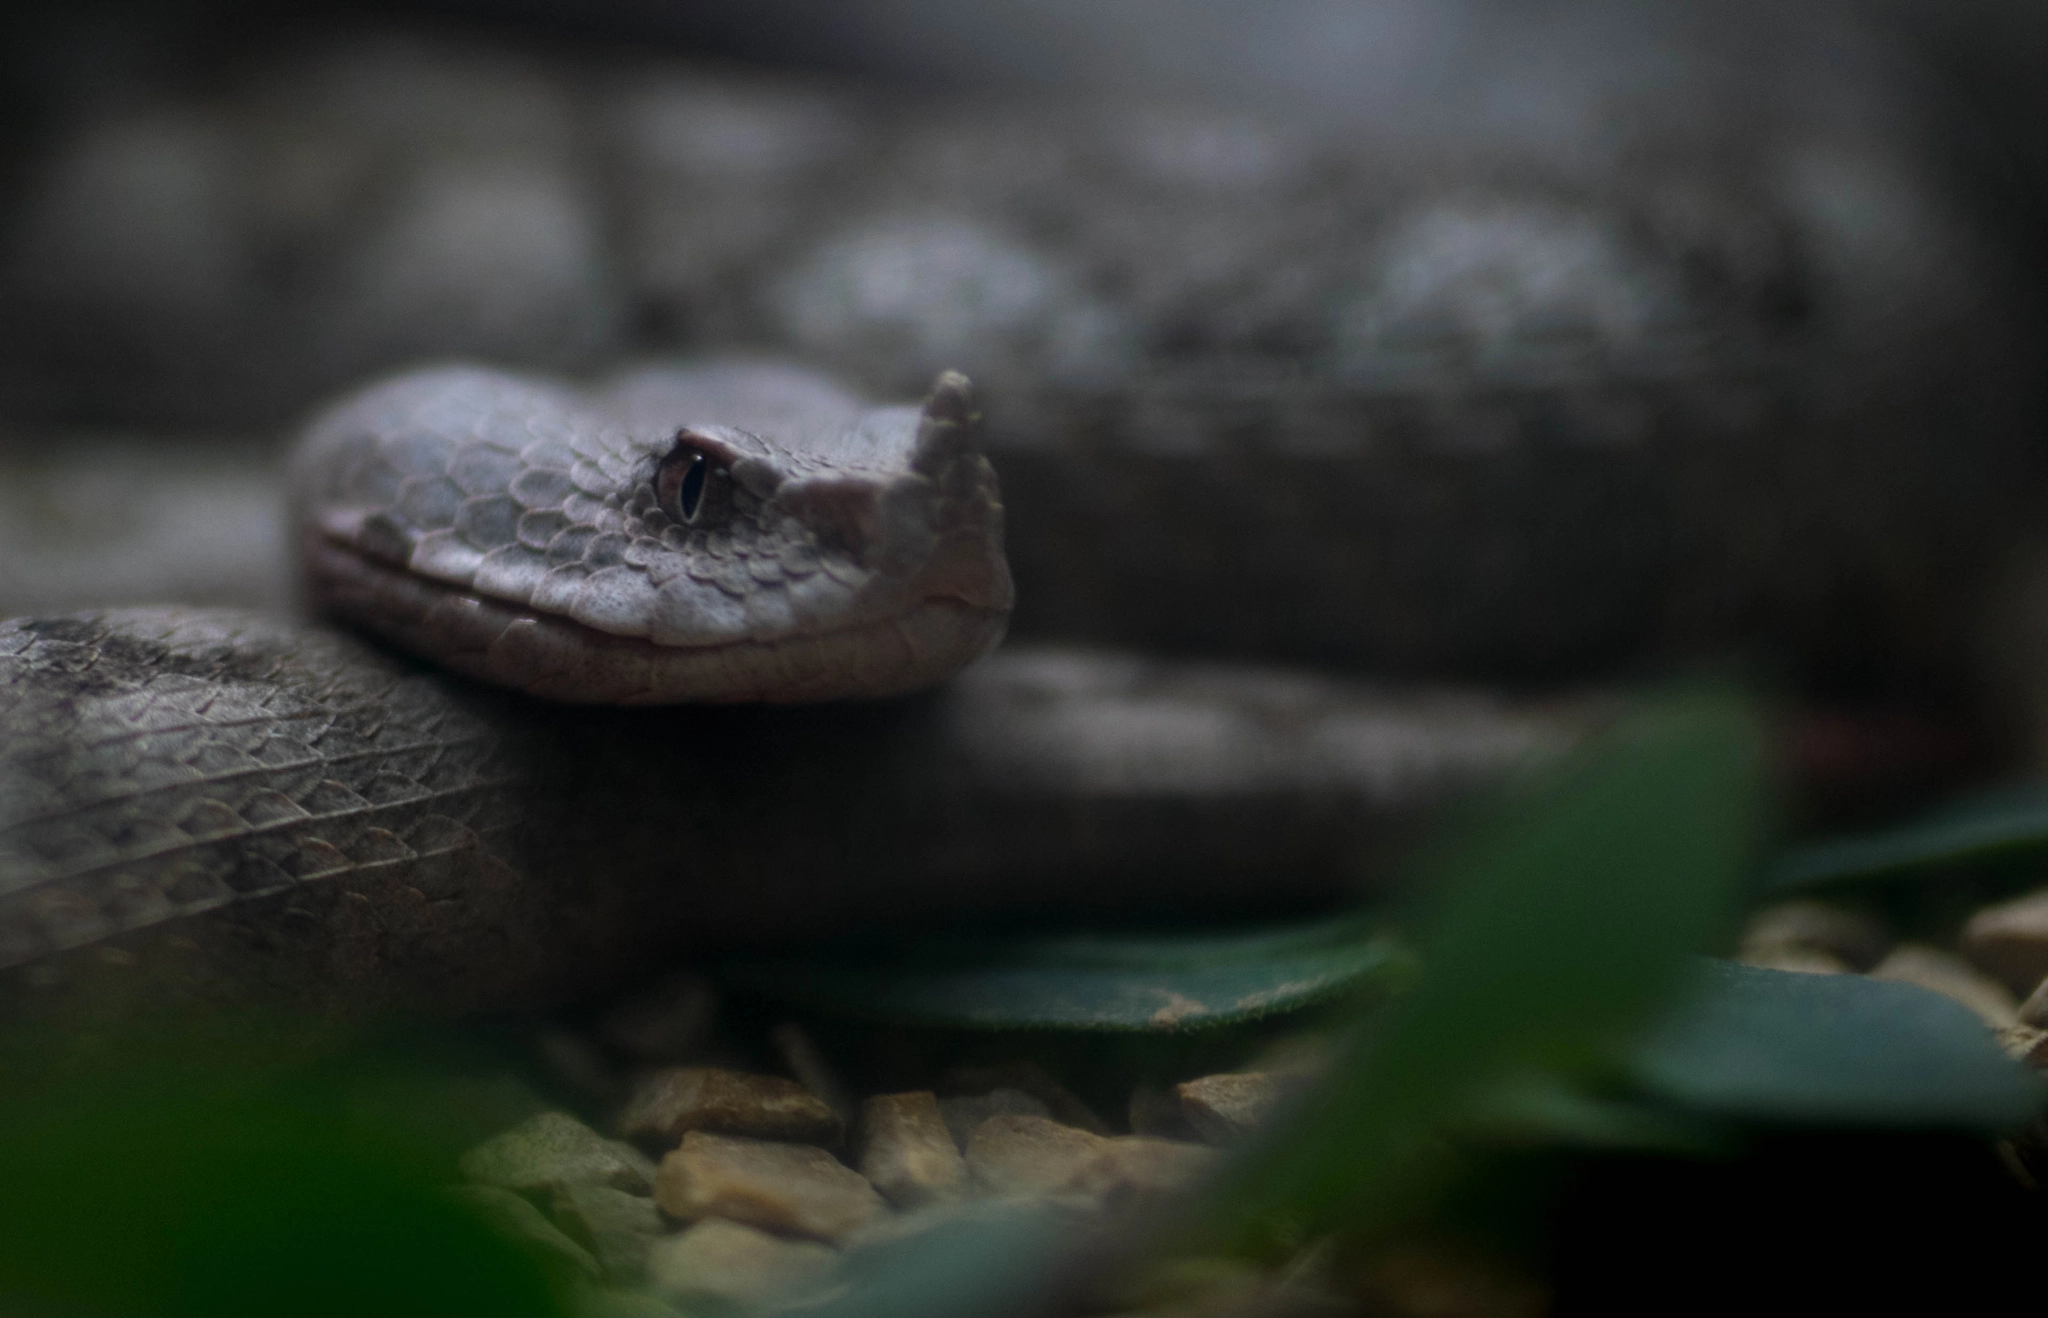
[(1472, 425)]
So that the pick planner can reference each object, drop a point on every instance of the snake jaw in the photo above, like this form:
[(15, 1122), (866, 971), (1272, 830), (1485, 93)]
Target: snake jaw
[(842, 552)]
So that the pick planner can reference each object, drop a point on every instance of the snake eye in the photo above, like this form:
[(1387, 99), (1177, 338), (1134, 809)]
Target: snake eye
[(680, 481)]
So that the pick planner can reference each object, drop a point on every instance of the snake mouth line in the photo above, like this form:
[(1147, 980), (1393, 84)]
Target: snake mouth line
[(561, 659)]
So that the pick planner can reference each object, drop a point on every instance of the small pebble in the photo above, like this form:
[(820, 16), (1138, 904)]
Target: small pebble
[(2025, 1043), (1015, 1154), (669, 1103), (553, 1149), (907, 1152), (1011, 1155), (728, 1261), (1949, 975), (1134, 1170), (963, 1116), (1857, 940), (1061, 1104), (2009, 941), (2034, 1011), (616, 1227), (795, 1188), (668, 1021), (511, 1216), (1225, 1108)]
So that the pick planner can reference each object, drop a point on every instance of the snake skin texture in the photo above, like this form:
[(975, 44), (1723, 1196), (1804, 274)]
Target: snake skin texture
[(757, 535), (1745, 381), (199, 807), (1746, 371)]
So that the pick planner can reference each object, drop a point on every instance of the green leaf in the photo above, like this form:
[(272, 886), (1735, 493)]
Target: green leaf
[(1130, 983), (1544, 1110), (188, 1200), (1841, 1050), (2006, 824), (1560, 929)]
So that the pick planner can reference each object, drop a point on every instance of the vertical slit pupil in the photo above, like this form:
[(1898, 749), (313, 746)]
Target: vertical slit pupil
[(691, 496)]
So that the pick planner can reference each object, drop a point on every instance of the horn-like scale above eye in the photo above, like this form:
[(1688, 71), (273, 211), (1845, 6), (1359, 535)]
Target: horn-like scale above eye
[(680, 481)]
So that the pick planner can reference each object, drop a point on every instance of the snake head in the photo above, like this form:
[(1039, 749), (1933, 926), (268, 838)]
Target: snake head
[(733, 532)]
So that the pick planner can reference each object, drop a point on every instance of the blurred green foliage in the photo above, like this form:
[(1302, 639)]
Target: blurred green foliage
[(1555, 997), (192, 1181)]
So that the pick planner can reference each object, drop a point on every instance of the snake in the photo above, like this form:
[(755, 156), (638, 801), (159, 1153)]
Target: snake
[(698, 656)]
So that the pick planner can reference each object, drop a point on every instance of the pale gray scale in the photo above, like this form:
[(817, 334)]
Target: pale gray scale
[(419, 453), (539, 487), (570, 544), (730, 575), (617, 600), (558, 453), (605, 550), (590, 479), (584, 510), (381, 536), (844, 570), (769, 611), (481, 470), (549, 428), (445, 556), (429, 503), (510, 572), (370, 479), (557, 591), (489, 522), (539, 527), (618, 464), (797, 558)]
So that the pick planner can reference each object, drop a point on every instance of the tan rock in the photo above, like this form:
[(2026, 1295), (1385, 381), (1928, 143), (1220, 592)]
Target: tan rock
[(1850, 937), (667, 1104), (2025, 1043), (1028, 1155), (1949, 975), (668, 1021), (2034, 1010), (1135, 1169), (796, 1188), (1227, 1107), (727, 1261), (2009, 941), (1003, 1212), (617, 1228), (907, 1152), (1061, 1103), (553, 1149), (963, 1116)]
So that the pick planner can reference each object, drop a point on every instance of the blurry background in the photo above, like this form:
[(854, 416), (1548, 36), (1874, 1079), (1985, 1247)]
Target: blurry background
[(213, 215), (215, 211)]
